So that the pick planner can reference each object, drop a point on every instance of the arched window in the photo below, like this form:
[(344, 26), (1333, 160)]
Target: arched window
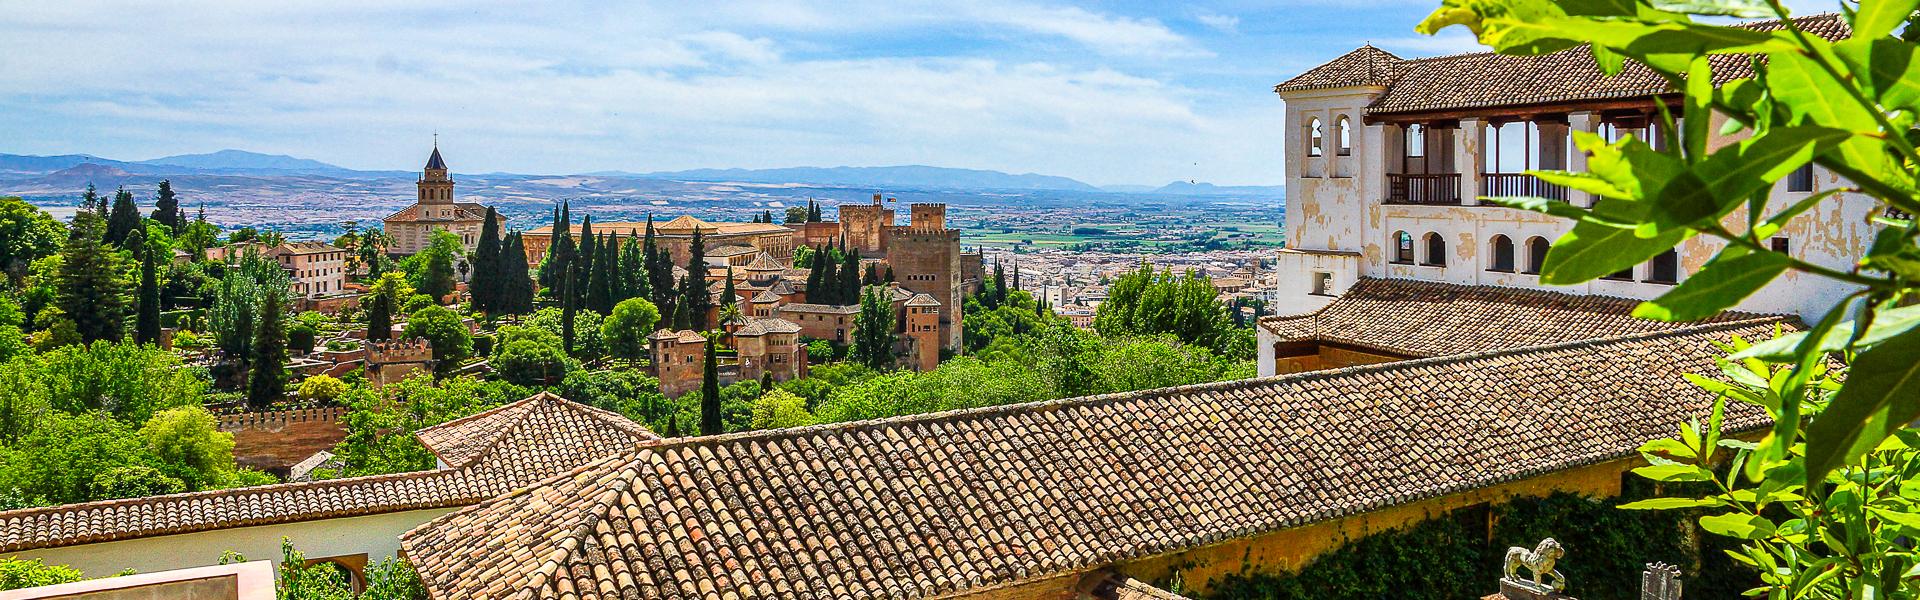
[(1536, 253), (1403, 247), (1416, 140), (1343, 132), (1316, 142), (1664, 268), (1502, 254), (1436, 250)]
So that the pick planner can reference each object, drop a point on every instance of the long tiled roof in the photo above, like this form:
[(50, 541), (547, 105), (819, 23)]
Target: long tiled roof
[(464, 211), (921, 506), (1485, 79), (546, 436), (1427, 318)]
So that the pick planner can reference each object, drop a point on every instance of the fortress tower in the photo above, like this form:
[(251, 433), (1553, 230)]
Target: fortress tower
[(928, 216), (862, 226)]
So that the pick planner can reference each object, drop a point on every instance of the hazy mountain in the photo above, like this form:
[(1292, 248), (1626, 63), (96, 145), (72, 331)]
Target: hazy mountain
[(1129, 189), (36, 165), (241, 160), (909, 176), (1187, 188)]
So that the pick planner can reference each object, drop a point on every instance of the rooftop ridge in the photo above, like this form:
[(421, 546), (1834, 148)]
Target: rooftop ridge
[(1216, 386)]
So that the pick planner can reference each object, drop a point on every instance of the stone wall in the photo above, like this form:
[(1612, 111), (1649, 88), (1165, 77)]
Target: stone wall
[(273, 441), (927, 261)]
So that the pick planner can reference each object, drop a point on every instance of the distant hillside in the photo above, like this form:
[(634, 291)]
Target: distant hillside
[(35, 165), (243, 161), (917, 176), (1184, 188)]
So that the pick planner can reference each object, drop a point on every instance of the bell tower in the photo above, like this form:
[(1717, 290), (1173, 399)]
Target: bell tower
[(435, 186)]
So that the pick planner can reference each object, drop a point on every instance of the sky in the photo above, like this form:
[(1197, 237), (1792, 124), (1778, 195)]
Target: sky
[(1140, 93)]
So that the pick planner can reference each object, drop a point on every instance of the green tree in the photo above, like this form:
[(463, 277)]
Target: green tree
[(796, 214), (128, 381), (124, 219), (488, 282), (133, 482), (693, 290), (267, 366), (27, 234), (554, 268), (13, 341), (431, 270), (380, 424), (451, 341), (190, 446), (300, 581), (849, 274), (1146, 302), (873, 331), (533, 363), (627, 392), (517, 284), (146, 328), (323, 388), (779, 409), (626, 330), (586, 327), (20, 573), (710, 421), (383, 300), (92, 284), (59, 461), (166, 208), (633, 270), (237, 300)]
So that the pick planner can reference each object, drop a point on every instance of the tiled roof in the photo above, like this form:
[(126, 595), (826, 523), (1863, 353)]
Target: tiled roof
[(434, 161), (838, 309), (922, 300), (766, 325), (765, 262), (462, 441), (1427, 318), (765, 296), (466, 211), (925, 505), (1364, 66), (684, 336), (1484, 79), (550, 437), (730, 250)]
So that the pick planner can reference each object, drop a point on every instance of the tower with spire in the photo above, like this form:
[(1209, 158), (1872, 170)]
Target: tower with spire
[(434, 209)]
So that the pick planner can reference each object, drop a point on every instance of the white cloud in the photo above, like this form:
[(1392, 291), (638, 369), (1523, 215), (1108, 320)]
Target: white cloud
[(1104, 33), (1224, 23)]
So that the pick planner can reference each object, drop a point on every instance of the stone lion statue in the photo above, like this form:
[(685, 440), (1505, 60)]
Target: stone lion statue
[(1540, 561)]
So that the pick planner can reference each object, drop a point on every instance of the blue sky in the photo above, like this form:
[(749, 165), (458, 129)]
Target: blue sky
[(1106, 92)]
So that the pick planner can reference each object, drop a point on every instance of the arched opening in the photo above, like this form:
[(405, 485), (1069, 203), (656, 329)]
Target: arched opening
[(1664, 268), (1403, 247), (1343, 133), (1416, 140), (1536, 253), (1502, 254), (1436, 250), (1316, 140)]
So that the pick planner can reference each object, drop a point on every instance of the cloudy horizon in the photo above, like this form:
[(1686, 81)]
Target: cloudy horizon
[(1108, 93)]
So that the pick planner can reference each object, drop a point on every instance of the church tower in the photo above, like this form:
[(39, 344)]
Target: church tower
[(435, 186)]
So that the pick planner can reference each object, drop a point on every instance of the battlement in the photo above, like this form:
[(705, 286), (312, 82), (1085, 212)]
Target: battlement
[(399, 351), (279, 420), (912, 234), (928, 215)]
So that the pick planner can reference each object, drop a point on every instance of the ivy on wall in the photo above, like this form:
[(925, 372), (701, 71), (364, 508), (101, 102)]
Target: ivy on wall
[(1451, 557)]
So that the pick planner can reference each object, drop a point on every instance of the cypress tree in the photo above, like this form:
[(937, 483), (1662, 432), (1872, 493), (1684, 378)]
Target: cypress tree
[(695, 294), (516, 286), (873, 335), (125, 218), (606, 270), (92, 290), (850, 278), (1016, 274), (659, 272), (710, 393), (568, 307), (146, 323), (582, 263), (727, 297), (379, 318), (166, 208), (487, 281), (999, 290), (890, 274), (813, 277), (680, 319), (90, 201), (873, 275), (266, 380), (634, 268)]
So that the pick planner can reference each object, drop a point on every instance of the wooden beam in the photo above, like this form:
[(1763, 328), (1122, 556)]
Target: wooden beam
[(1525, 111)]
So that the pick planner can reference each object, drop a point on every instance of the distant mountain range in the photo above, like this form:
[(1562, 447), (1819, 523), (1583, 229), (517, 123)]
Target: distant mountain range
[(61, 171)]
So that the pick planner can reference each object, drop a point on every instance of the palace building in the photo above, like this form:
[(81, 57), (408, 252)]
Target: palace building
[(434, 209), (1388, 158)]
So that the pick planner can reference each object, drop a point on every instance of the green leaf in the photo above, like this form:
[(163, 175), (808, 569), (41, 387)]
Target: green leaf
[(1591, 250), (1887, 322), (1745, 9), (1746, 527), (1903, 518), (1889, 68), (1582, 181), (1670, 447), (1699, 108), (1881, 395), (1877, 18), (1669, 503), (1723, 282), (1812, 96), (1717, 184), (1674, 472)]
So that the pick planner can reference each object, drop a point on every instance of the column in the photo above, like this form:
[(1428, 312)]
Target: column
[(1467, 159), (1589, 122)]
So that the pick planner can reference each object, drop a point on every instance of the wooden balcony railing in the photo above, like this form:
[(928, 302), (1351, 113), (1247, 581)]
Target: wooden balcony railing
[(1440, 188), (1519, 184)]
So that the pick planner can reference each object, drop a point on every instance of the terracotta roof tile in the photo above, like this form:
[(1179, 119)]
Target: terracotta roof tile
[(545, 436), (1426, 318), (921, 506)]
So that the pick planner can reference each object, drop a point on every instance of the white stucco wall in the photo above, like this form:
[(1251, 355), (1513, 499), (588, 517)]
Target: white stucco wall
[(377, 536), (1330, 213)]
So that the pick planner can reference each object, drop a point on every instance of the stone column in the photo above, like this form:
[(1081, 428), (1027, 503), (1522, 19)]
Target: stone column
[(1467, 158), (1589, 122)]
